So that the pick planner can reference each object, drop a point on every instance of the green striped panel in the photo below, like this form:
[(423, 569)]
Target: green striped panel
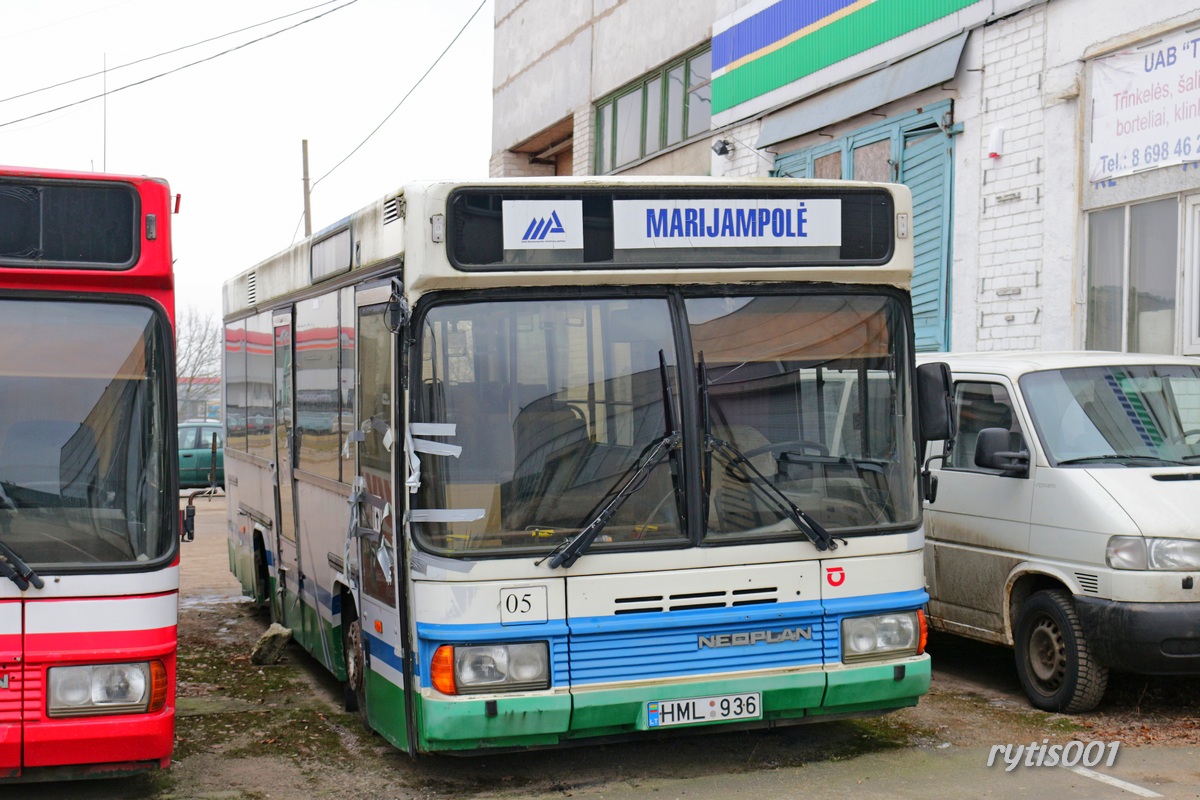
[(874, 25)]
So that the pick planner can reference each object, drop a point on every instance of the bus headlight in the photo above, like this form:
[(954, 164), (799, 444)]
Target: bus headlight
[(883, 636), (1136, 552), (94, 689), (478, 669)]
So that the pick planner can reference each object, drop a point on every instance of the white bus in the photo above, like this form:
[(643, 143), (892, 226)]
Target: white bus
[(531, 462)]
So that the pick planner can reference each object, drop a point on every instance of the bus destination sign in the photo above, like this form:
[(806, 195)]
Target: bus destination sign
[(766, 222)]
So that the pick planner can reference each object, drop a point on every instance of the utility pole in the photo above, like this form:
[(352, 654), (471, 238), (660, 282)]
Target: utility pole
[(307, 208)]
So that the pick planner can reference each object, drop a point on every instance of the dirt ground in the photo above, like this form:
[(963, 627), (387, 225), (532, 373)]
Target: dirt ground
[(246, 732)]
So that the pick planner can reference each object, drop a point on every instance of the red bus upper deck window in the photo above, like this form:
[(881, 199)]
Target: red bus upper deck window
[(66, 224)]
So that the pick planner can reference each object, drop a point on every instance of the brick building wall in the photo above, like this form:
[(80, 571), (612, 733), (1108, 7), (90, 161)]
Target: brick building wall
[(1011, 212)]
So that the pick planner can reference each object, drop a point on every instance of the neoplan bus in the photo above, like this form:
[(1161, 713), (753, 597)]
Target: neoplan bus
[(89, 522), (532, 462)]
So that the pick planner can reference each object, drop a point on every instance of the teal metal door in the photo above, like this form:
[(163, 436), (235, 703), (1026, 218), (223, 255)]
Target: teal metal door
[(925, 169)]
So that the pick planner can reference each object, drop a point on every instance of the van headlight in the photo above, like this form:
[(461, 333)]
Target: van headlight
[(95, 689), (481, 669), (883, 636), (1138, 552)]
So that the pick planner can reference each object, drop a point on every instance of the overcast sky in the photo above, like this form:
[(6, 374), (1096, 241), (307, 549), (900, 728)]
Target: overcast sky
[(226, 133)]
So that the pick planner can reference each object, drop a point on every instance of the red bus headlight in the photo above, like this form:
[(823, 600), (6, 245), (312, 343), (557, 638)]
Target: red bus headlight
[(93, 689)]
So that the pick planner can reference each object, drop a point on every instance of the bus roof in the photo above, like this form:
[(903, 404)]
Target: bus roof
[(420, 225), (98, 246)]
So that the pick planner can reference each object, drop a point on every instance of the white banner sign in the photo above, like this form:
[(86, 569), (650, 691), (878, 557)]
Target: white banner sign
[(726, 223), (1146, 108), (543, 224)]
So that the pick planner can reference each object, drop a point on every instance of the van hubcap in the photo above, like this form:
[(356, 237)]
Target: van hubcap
[(1047, 654)]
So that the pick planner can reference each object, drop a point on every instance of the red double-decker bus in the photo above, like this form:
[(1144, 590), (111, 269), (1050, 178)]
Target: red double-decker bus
[(89, 524)]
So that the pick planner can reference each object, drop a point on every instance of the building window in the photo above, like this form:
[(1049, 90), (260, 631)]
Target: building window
[(670, 105), (1133, 262)]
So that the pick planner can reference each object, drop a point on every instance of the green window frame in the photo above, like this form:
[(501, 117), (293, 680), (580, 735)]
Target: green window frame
[(664, 108)]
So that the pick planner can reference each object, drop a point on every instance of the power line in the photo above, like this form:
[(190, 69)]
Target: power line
[(414, 87), (436, 61), (166, 53), (177, 69)]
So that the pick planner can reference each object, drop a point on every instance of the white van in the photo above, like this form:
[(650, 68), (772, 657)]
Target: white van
[(1065, 521)]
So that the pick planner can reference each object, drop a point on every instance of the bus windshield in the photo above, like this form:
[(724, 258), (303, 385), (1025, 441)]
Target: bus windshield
[(84, 470), (559, 404)]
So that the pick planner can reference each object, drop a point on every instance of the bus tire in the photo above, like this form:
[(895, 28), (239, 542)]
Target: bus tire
[(352, 654), (1054, 661)]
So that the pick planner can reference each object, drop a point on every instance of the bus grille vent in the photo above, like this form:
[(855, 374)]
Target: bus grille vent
[(1089, 583), (252, 289), (718, 598), (393, 209)]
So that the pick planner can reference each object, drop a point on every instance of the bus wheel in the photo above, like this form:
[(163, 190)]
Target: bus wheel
[(1054, 661), (352, 653)]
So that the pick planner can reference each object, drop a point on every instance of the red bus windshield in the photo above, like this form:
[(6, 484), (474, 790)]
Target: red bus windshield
[(84, 394)]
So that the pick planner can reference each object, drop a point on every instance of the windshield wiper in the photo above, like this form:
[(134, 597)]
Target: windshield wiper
[(816, 533), (16, 570), (654, 454), (1121, 457), (821, 538)]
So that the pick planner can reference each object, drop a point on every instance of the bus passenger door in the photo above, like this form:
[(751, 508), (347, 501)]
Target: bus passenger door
[(376, 561), (11, 684), (286, 601)]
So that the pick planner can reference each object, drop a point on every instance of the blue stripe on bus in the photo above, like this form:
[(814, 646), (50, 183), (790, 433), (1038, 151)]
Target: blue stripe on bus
[(667, 644), (384, 651)]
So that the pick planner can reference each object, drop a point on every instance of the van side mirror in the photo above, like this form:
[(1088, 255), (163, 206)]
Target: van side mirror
[(992, 452), (935, 402)]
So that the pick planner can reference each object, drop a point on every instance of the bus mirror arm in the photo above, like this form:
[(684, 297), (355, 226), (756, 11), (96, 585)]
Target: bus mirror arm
[(398, 312), (929, 481), (188, 533)]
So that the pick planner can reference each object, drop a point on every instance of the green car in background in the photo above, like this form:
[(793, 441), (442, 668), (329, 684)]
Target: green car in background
[(196, 453)]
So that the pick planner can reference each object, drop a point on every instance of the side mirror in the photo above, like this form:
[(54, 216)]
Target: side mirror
[(189, 523), (935, 402), (991, 452)]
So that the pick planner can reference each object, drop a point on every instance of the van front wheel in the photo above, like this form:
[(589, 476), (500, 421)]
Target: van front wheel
[(1054, 662)]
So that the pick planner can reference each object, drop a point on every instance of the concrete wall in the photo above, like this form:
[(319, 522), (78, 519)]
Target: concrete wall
[(554, 58)]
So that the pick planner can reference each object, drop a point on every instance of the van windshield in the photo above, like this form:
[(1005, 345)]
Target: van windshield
[(1130, 415)]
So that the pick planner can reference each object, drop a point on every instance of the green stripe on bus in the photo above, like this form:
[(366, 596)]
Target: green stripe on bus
[(874, 688), (387, 709), (519, 722), (874, 25)]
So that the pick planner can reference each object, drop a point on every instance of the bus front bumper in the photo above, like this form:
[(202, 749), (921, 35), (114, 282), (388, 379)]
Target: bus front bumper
[(497, 721)]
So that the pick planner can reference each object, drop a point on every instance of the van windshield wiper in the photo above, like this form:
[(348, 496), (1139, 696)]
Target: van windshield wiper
[(654, 454), (816, 533), (16, 570), (1121, 457)]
